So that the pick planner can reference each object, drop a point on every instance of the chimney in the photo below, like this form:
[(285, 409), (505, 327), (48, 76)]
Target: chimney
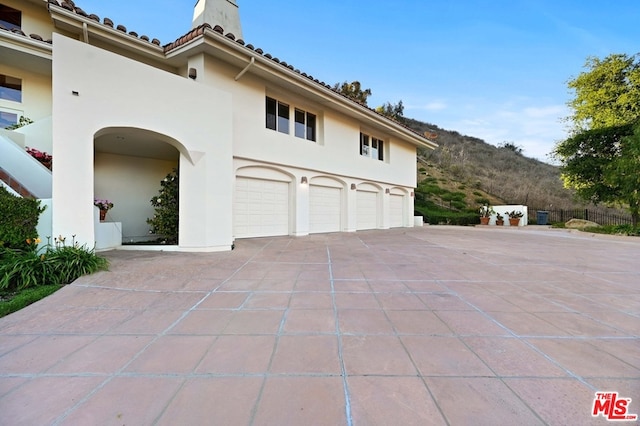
[(218, 12)]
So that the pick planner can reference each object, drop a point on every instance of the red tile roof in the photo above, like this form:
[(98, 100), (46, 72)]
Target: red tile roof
[(199, 32)]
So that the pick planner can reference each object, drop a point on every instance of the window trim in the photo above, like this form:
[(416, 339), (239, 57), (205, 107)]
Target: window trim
[(367, 149), (308, 130), (17, 113), (304, 123), (11, 88)]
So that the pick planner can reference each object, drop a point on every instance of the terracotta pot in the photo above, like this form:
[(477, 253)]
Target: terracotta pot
[(484, 221), (103, 215), (514, 221), (499, 222)]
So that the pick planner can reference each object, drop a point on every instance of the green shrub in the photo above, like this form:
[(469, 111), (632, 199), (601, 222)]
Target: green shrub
[(166, 204), (62, 264), (614, 230), (439, 216), (19, 218)]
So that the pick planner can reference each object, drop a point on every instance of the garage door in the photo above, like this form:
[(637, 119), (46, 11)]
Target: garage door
[(396, 211), (261, 208), (367, 210), (324, 209)]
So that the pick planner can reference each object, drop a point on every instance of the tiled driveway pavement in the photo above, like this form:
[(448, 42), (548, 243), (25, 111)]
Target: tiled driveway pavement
[(434, 325)]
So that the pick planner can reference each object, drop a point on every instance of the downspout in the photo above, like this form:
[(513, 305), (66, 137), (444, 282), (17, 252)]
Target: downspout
[(85, 32), (241, 73)]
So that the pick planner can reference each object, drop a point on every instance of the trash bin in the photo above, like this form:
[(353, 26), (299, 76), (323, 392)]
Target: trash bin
[(542, 217)]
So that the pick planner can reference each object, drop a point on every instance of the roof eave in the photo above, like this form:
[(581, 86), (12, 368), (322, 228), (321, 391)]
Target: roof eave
[(238, 54), (75, 23)]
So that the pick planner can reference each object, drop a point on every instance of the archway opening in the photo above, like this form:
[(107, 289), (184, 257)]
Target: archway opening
[(130, 166)]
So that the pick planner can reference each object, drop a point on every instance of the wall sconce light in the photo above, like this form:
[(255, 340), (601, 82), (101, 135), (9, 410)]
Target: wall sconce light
[(353, 186), (193, 73), (304, 180), (386, 191), (412, 193)]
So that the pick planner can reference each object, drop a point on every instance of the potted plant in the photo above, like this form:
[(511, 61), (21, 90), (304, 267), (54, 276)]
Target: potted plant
[(485, 214), (499, 220), (514, 217), (104, 206)]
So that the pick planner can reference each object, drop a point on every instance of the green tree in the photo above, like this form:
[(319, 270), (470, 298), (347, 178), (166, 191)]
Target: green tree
[(166, 204), (585, 156), (393, 111), (600, 159), (607, 93), (624, 173), (354, 91)]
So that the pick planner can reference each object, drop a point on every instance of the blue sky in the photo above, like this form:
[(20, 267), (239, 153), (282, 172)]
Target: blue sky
[(493, 69)]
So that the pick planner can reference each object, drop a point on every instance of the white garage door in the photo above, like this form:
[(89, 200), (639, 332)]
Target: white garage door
[(261, 208), (324, 209), (366, 210), (396, 211)]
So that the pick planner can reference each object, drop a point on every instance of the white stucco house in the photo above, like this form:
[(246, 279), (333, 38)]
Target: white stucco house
[(262, 148)]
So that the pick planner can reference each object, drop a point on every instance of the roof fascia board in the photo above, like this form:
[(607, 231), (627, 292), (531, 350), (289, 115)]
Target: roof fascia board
[(26, 44)]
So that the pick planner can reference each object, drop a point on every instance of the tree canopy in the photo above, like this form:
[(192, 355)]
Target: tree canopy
[(607, 93), (601, 159), (354, 91), (393, 111)]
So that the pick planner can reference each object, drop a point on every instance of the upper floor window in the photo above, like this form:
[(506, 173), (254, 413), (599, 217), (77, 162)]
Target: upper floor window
[(277, 116), (10, 18), (10, 88), (305, 124), (371, 147)]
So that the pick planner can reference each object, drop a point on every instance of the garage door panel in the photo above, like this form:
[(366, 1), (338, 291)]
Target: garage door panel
[(261, 208), (396, 211), (366, 210), (325, 209)]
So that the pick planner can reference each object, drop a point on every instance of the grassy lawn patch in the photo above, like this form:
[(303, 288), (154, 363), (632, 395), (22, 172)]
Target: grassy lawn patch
[(14, 301)]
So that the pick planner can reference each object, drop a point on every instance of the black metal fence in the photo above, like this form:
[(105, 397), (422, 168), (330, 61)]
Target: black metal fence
[(598, 216)]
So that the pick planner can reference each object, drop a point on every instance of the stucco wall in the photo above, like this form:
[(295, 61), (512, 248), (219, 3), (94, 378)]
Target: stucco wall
[(337, 150), (93, 90), (114, 175)]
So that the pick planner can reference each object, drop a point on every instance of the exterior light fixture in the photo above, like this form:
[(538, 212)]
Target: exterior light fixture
[(353, 186), (193, 73), (386, 191), (304, 180)]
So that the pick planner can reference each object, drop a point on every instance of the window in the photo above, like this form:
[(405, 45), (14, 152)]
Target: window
[(8, 118), (10, 88), (305, 125), (10, 18), (371, 147), (277, 116)]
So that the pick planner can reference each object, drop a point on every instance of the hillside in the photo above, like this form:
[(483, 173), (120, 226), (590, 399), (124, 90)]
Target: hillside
[(466, 172)]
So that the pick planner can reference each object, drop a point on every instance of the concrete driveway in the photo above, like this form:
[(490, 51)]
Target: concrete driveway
[(434, 325)]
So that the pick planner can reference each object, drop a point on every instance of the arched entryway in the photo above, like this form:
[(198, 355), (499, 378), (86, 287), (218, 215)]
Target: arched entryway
[(129, 165)]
